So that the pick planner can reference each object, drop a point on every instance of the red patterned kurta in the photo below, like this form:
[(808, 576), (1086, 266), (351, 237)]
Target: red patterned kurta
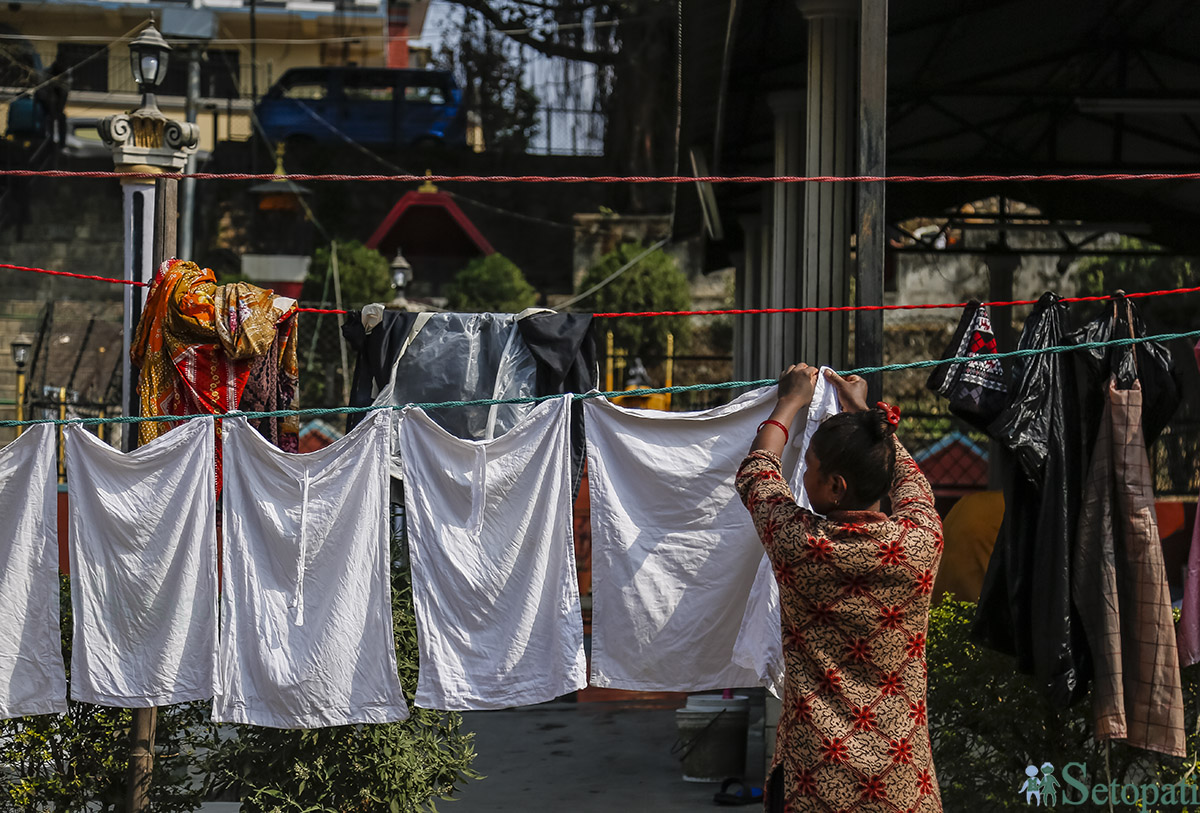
[(854, 595)]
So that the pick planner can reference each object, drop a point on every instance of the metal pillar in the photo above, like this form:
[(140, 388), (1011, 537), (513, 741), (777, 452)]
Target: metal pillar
[(788, 109), (831, 144), (871, 242), (770, 295), (747, 344), (138, 203)]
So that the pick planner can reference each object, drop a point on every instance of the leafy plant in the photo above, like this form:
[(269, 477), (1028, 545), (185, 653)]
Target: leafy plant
[(365, 277), (987, 722), (390, 767), (492, 283), (364, 273), (77, 760), (653, 283), (1098, 276)]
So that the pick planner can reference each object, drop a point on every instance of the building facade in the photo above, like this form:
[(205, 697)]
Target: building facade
[(89, 38)]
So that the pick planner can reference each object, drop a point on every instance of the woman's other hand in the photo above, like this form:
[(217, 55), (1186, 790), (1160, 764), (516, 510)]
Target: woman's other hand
[(851, 391), (796, 385)]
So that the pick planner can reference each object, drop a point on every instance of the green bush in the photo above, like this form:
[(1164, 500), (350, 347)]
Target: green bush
[(392, 767), (490, 284), (655, 283), (365, 276), (77, 760), (987, 723)]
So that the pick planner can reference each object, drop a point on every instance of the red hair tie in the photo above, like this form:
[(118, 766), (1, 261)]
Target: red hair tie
[(892, 412)]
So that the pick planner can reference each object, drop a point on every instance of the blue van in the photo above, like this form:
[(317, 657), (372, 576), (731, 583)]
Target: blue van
[(381, 107)]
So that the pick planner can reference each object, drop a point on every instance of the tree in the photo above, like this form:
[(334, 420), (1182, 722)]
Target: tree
[(632, 44), (494, 85), (492, 283), (365, 277), (364, 273), (1098, 276), (652, 283)]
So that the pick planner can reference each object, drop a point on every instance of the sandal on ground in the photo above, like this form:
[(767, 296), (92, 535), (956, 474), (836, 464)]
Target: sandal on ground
[(736, 792)]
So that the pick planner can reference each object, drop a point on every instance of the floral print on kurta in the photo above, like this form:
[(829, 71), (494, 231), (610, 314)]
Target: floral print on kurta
[(854, 592)]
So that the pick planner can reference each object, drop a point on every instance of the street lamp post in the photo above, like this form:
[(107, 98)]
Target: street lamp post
[(20, 356), (145, 141), (402, 274)]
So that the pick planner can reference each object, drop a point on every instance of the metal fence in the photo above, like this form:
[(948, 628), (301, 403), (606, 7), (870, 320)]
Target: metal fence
[(562, 131)]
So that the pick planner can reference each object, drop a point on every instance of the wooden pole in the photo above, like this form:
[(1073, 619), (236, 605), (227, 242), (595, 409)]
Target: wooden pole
[(337, 297), (141, 734)]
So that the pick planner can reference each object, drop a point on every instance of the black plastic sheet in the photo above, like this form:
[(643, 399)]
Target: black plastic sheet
[(1025, 607)]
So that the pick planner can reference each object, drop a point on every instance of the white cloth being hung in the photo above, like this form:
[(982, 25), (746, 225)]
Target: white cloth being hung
[(32, 679), (759, 644), (143, 567), (493, 562), (674, 552), (306, 634)]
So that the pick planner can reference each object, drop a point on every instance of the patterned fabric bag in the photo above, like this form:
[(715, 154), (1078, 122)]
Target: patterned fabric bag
[(976, 389)]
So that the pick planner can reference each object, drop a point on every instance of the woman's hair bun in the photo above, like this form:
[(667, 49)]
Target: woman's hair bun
[(881, 425)]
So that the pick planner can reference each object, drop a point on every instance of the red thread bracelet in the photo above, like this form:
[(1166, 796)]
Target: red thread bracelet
[(775, 423)]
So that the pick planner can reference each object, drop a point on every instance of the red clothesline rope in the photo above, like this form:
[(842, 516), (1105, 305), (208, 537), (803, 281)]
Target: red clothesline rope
[(844, 308), (69, 274), (728, 311), (633, 179)]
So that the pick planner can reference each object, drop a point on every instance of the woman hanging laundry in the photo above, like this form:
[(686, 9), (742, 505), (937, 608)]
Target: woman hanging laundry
[(855, 587)]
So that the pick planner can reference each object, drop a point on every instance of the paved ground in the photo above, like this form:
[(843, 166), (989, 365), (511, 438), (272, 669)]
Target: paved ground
[(582, 757), (611, 756)]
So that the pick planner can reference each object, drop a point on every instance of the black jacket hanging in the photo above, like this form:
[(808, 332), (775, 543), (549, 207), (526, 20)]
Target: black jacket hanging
[(377, 352), (563, 346), (1025, 607)]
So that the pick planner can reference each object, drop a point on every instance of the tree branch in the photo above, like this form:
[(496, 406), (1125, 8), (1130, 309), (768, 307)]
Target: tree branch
[(520, 33)]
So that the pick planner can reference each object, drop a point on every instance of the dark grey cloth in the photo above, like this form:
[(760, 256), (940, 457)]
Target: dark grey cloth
[(565, 351), (377, 352)]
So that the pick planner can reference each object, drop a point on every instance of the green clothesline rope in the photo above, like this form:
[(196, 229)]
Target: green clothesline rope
[(726, 385)]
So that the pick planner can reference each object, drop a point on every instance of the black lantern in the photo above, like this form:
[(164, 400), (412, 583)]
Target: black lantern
[(20, 350), (148, 60), (401, 273)]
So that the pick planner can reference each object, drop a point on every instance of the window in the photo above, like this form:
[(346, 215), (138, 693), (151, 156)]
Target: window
[(88, 65), (175, 82), (220, 74), (424, 94), (368, 87), (306, 91)]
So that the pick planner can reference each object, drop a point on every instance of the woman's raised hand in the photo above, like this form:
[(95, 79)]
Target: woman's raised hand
[(851, 390), (797, 383)]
